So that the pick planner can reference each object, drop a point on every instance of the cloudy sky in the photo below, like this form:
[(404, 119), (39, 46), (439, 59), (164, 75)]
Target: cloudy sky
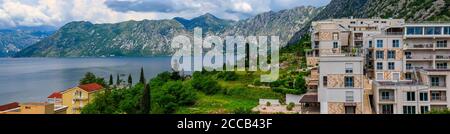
[(15, 13)]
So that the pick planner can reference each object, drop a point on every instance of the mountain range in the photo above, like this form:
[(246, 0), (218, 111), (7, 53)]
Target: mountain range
[(152, 37), (15, 39)]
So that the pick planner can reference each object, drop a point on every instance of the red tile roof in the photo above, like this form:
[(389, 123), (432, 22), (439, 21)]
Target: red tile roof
[(9, 106), (91, 87), (55, 95)]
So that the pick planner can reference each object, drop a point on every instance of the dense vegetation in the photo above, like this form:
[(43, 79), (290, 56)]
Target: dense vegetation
[(204, 91)]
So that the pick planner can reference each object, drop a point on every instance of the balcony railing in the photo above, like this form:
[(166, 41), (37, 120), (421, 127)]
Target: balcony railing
[(409, 57), (438, 98), (77, 98), (419, 45), (387, 98), (442, 57), (393, 33)]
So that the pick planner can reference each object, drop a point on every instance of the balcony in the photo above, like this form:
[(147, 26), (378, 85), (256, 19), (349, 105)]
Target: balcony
[(419, 46), (358, 37), (77, 107), (79, 98), (419, 57), (393, 33), (442, 57), (386, 95), (438, 96)]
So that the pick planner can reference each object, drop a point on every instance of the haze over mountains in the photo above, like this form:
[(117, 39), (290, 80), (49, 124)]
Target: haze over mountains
[(152, 37)]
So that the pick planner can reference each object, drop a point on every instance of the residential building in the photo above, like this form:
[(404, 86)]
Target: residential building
[(32, 108), (77, 97), (404, 66), (55, 98)]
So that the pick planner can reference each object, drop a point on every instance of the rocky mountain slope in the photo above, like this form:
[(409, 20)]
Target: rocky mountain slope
[(152, 37), (14, 40)]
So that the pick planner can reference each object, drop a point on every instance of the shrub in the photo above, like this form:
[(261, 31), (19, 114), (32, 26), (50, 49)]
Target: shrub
[(242, 110), (206, 85), (268, 104), (227, 75), (174, 94), (290, 106), (285, 90)]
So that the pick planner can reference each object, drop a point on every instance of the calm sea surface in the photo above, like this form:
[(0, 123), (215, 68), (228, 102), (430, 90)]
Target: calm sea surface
[(33, 79)]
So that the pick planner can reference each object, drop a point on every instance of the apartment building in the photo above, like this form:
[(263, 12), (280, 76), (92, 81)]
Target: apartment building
[(403, 66), (77, 97), (32, 108), (340, 48)]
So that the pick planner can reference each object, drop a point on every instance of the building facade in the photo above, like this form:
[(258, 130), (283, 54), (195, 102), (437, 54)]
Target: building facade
[(77, 97), (403, 66)]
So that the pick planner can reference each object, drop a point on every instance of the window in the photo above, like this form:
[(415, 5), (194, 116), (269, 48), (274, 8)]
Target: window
[(391, 55), (391, 65), (424, 109), (396, 76), (387, 109), (441, 43), (335, 36), (370, 43), (383, 21), (434, 81), (437, 30), (352, 22), (350, 110), (408, 76), (395, 43), (349, 96), (385, 95), (408, 66), (442, 65), (447, 30), (349, 81), (349, 68), (423, 96), (325, 81), (380, 65), (379, 43), (414, 31), (380, 76), (409, 109), (408, 55), (410, 96), (335, 45), (433, 30), (380, 54)]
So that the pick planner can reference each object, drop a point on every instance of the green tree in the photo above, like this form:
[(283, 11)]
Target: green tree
[(111, 82), (146, 100), (130, 80), (300, 84), (118, 80), (142, 77), (206, 84), (174, 94), (89, 77)]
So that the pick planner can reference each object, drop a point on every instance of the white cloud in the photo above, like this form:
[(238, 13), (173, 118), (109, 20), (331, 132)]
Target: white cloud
[(58, 12), (242, 7)]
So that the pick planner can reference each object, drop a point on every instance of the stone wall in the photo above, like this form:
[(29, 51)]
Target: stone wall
[(338, 108)]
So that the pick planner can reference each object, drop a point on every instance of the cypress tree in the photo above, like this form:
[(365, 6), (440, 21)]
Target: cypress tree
[(130, 80), (111, 80), (146, 100), (118, 80), (142, 77)]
